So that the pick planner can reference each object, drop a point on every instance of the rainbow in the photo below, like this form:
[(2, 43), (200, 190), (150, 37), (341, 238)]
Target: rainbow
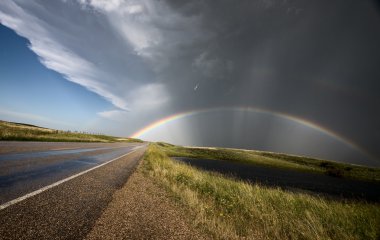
[(282, 115)]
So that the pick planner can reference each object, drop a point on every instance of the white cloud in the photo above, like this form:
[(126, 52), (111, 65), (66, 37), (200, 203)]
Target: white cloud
[(107, 5), (130, 20), (54, 55), (112, 48), (115, 115), (134, 9), (149, 96), (149, 26)]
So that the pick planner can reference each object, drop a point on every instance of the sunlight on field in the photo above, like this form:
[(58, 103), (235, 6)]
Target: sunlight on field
[(229, 209)]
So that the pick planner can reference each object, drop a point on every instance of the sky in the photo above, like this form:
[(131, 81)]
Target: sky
[(292, 76)]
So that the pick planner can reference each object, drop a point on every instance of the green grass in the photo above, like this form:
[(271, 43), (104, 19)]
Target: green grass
[(278, 160), (230, 209), (10, 131)]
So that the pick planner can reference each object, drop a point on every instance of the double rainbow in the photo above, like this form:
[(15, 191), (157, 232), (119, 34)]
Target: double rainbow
[(282, 115)]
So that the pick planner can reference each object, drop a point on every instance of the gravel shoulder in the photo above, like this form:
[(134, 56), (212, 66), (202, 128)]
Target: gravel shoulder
[(143, 210), (68, 211)]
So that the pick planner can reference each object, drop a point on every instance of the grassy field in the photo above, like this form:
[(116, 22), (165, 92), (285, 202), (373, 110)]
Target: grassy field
[(276, 160), (10, 131), (230, 209)]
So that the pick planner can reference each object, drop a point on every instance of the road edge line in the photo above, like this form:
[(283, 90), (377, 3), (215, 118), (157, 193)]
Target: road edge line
[(41, 190)]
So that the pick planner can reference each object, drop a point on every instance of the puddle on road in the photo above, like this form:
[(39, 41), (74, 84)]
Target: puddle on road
[(63, 168)]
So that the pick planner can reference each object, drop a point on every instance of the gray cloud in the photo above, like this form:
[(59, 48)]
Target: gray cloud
[(318, 63), (312, 59)]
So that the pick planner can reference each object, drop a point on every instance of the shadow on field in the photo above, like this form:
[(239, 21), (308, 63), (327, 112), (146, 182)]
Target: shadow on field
[(290, 180)]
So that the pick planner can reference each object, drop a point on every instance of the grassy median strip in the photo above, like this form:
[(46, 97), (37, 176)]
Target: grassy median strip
[(278, 160), (10, 131), (230, 209)]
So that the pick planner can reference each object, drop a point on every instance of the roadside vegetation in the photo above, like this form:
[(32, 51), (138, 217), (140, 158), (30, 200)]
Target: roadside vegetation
[(229, 209), (278, 160), (10, 131)]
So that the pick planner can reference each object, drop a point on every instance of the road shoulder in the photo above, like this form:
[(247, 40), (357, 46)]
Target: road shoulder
[(69, 210), (143, 210)]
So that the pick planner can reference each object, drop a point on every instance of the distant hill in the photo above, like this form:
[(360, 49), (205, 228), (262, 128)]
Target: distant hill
[(13, 131)]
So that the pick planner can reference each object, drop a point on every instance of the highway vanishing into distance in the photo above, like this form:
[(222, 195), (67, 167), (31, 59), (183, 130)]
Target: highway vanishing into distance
[(58, 190)]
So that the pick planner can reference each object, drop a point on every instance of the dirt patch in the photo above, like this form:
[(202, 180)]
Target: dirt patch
[(143, 210)]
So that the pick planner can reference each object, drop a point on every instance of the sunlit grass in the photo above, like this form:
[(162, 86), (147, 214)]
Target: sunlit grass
[(277, 160), (229, 209), (24, 132)]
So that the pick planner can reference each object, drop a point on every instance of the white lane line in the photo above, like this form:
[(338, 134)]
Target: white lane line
[(17, 200)]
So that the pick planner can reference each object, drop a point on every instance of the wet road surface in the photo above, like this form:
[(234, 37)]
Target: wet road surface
[(291, 180), (67, 210)]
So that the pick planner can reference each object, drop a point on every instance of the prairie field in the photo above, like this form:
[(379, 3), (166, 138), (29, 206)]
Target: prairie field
[(10, 131), (227, 208)]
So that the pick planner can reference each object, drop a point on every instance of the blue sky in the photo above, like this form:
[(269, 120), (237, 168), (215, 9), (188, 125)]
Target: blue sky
[(117, 66), (29, 92)]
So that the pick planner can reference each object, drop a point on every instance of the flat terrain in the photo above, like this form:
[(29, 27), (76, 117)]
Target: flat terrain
[(290, 180), (228, 208), (85, 193), (11, 131), (70, 209), (276, 160)]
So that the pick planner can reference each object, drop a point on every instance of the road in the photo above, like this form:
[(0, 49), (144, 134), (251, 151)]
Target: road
[(58, 190)]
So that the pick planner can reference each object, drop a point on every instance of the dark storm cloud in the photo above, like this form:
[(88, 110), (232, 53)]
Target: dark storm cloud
[(313, 59)]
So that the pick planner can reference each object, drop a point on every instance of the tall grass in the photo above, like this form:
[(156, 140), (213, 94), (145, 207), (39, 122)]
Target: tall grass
[(298, 163), (229, 209)]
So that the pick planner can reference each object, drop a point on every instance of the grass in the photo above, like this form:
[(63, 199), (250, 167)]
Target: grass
[(278, 160), (10, 131), (230, 209)]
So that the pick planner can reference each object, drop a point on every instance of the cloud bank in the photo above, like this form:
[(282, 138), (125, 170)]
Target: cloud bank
[(109, 47), (154, 58)]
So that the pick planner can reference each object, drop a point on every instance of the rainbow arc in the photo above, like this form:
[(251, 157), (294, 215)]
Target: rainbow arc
[(299, 120)]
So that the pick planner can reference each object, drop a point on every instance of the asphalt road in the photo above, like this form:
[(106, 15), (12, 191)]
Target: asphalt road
[(58, 190)]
